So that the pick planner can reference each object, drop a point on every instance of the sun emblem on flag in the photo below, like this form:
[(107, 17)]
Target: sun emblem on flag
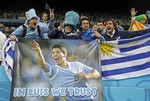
[(106, 48)]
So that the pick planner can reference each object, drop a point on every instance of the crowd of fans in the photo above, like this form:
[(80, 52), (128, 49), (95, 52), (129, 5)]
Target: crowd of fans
[(50, 24), (124, 19), (19, 15), (7, 27)]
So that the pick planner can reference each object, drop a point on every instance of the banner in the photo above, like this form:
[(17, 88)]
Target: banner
[(122, 59), (41, 73)]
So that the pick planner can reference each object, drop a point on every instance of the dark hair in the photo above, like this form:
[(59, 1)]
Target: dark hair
[(100, 21), (113, 21), (61, 47), (43, 14), (84, 18)]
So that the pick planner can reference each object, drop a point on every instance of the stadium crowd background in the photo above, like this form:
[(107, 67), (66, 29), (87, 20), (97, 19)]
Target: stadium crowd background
[(12, 13), (124, 19)]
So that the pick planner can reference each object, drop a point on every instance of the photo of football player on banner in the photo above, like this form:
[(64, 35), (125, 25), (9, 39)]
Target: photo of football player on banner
[(56, 70)]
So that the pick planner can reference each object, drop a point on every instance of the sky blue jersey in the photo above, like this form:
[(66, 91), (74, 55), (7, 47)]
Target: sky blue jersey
[(66, 78)]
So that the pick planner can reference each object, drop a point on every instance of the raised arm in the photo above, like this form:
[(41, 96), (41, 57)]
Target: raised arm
[(133, 13), (41, 61), (52, 16)]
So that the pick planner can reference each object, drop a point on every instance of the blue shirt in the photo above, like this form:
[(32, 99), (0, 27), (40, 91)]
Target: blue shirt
[(89, 35), (65, 77), (44, 24), (31, 33)]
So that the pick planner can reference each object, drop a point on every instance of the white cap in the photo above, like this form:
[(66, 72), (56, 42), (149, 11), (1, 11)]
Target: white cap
[(30, 14)]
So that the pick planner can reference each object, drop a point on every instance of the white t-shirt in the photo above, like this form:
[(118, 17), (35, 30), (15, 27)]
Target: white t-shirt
[(2, 41)]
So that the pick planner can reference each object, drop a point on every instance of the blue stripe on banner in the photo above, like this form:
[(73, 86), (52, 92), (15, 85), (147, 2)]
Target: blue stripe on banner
[(11, 53), (126, 70), (125, 59), (8, 51), (134, 47), (134, 39)]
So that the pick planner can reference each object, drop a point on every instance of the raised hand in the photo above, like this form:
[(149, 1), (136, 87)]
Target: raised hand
[(34, 45), (60, 27), (133, 12), (52, 15)]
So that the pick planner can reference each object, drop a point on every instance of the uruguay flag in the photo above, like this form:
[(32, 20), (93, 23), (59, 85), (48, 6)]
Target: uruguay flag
[(8, 57), (126, 58)]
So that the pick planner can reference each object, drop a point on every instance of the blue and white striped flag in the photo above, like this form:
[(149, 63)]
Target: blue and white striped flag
[(8, 57), (126, 58)]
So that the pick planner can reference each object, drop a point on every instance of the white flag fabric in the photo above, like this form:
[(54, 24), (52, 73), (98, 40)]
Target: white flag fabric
[(8, 57), (127, 58)]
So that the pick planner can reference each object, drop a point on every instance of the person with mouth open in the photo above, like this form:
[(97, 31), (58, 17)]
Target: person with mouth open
[(65, 74), (113, 34), (32, 30)]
